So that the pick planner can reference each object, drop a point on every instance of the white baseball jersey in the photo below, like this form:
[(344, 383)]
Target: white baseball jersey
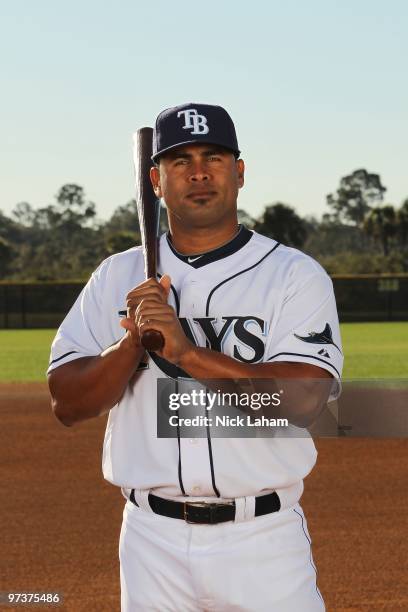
[(252, 299)]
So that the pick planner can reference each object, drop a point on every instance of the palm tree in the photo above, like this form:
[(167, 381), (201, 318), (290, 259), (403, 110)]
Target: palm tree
[(381, 224), (281, 222)]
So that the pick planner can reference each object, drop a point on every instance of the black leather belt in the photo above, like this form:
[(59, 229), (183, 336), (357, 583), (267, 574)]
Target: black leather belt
[(204, 512)]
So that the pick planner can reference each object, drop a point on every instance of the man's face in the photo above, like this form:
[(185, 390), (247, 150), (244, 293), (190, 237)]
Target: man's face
[(199, 184)]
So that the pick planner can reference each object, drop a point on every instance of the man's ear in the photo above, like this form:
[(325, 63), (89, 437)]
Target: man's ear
[(155, 179), (241, 172)]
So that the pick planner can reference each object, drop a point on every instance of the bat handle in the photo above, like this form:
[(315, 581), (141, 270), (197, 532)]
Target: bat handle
[(152, 340)]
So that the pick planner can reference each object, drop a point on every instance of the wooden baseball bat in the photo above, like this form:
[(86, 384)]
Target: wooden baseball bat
[(148, 208)]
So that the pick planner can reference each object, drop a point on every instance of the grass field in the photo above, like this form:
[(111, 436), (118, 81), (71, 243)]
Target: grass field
[(372, 350), (375, 350), (24, 354)]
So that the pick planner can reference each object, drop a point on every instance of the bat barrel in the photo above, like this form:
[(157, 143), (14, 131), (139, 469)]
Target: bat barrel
[(148, 207)]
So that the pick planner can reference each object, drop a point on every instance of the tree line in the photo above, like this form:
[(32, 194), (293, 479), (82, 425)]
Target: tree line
[(65, 240)]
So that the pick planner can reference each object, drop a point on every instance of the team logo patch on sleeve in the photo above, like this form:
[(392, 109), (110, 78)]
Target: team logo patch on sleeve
[(323, 337)]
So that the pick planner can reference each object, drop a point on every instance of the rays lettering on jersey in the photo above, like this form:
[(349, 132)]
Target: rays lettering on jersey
[(230, 325)]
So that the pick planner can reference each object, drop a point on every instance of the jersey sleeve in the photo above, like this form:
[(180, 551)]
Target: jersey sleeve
[(306, 328), (81, 333)]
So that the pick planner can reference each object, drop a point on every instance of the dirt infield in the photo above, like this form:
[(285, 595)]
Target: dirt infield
[(60, 520)]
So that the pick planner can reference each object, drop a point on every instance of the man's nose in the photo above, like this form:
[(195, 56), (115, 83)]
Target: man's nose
[(199, 172)]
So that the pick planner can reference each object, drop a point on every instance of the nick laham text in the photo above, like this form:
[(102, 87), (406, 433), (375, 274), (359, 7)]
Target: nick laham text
[(227, 421)]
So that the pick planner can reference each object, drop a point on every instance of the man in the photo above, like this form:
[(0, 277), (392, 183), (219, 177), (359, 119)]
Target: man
[(231, 304)]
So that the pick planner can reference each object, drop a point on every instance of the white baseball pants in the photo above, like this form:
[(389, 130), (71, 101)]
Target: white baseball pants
[(259, 565)]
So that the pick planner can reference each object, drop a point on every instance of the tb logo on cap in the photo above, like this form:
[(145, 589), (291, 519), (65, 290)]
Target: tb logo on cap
[(194, 122)]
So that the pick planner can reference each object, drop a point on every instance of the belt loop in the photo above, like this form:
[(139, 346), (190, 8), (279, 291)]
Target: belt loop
[(142, 499), (244, 509), (249, 507), (239, 509)]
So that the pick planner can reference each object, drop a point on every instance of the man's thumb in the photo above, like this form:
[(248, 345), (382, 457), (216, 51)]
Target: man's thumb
[(165, 282)]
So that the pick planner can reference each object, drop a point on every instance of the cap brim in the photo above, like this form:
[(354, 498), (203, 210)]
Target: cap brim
[(155, 157)]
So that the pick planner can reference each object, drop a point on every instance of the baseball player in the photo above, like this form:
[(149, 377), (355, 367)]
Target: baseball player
[(210, 523)]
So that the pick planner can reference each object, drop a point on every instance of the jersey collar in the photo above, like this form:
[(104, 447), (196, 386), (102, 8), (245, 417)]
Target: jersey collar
[(198, 261)]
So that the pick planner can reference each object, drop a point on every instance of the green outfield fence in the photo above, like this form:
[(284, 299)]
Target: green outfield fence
[(359, 298)]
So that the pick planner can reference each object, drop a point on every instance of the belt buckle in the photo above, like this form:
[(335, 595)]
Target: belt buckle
[(211, 507)]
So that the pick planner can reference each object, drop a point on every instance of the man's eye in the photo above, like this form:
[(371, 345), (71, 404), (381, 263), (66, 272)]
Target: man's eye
[(214, 158), (179, 162)]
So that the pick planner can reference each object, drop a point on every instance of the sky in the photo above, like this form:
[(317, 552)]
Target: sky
[(316, 90)]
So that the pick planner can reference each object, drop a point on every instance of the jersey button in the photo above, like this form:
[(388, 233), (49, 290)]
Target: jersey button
[(196, 489), (193, 441)]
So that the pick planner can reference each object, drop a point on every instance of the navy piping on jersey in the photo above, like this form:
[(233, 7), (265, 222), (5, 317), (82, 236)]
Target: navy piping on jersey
[(207, 308), (244, 235), (303, 355), (206, 313), (310, 548), (176, 299), (179, 470), (179, 466), (210, 455), (62, 357)]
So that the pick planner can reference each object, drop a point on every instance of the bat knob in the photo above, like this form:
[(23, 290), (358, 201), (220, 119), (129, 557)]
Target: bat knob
[(152, 340)]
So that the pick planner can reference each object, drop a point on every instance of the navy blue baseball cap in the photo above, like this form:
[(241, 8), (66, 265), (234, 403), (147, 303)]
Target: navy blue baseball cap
[(193, 123)]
